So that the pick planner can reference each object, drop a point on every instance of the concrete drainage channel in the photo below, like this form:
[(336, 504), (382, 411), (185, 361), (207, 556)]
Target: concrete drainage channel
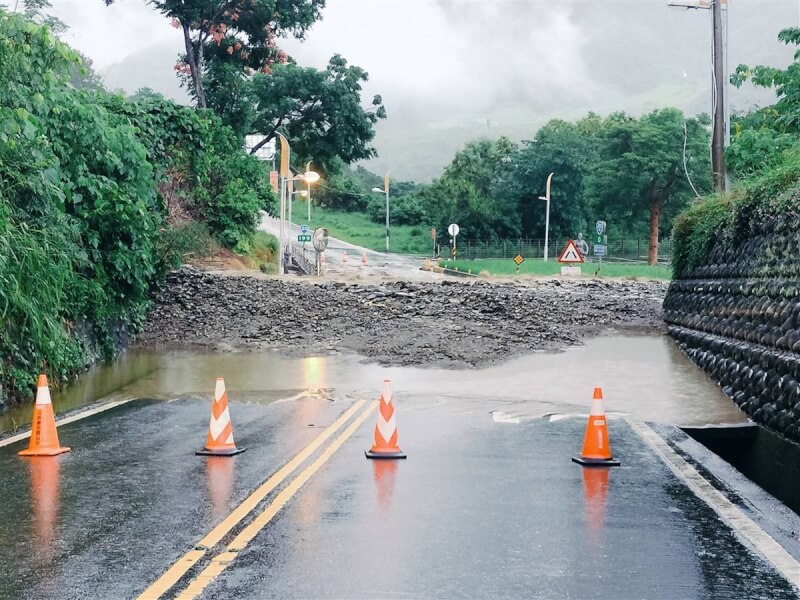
[(766, 458)]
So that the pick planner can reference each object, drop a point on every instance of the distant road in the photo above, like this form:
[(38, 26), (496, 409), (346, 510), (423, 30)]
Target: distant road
[(378, 263)]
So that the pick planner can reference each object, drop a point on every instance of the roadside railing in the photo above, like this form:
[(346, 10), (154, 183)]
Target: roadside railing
[(623, 249)]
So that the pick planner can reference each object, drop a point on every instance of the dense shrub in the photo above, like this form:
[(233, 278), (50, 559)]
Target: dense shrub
[(233, 188), (405, 210), (696, 231), (88, 183)]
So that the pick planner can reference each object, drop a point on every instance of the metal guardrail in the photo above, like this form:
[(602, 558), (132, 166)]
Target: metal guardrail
[(300, 260)]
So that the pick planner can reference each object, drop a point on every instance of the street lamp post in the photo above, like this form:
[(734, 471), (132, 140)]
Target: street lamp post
[(285, 157), (546, 198), (385, 190), (308, 199), (308, 191), (288, 194)]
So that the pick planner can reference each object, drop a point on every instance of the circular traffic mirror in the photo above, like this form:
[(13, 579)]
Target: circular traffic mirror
[(320, 239)]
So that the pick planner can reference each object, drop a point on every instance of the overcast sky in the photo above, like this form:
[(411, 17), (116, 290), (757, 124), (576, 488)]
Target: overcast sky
[(453, 69)]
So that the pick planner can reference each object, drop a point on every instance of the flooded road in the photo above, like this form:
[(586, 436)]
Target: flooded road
[(646, 377), (488, 503)]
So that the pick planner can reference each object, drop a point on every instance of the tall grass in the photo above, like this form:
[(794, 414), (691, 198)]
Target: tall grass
[(36, 273)]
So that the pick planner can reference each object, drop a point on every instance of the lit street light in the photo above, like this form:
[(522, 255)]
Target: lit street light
[(546, 198), (309, 176), (385, 190)]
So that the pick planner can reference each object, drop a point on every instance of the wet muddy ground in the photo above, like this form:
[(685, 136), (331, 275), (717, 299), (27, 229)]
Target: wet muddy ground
[(444, 323)]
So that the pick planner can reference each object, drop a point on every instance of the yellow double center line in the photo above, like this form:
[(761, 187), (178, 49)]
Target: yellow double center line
[(205, 545)]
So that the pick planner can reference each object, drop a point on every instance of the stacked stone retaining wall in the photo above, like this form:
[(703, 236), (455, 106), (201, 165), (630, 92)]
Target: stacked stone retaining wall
[(738, 317)]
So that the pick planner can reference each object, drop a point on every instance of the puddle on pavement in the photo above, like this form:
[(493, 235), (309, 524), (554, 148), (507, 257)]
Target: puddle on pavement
[(98, 382), (646, 377)]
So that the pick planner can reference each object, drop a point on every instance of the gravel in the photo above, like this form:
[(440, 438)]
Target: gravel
[(445, 323)]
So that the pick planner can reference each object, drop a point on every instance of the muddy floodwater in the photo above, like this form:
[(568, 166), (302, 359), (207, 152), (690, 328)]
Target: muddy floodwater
[(645, 377)]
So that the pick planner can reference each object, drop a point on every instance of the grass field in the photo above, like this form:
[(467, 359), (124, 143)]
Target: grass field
[(539, 267), (356, 228)]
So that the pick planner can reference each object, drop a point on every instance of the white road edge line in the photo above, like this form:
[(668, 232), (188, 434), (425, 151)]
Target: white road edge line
[(66, 420), (743, 526)]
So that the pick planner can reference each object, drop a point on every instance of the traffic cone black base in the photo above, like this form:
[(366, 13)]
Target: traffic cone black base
[(384, 455), (234, 452), (595, 462)]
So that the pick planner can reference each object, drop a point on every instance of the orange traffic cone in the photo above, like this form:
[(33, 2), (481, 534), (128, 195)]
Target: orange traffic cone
[(44, 437), (596, 451), (220, 430), (364, 259), (344, 258), (386, 428)]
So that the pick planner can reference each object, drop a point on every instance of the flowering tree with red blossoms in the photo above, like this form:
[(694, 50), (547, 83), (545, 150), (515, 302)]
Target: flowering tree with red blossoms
[(242, 33)]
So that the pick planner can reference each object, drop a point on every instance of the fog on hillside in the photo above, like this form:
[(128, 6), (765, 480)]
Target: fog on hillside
[(454, 70)]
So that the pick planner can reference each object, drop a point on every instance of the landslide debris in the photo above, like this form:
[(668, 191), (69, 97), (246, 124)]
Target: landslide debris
[(444, 323)]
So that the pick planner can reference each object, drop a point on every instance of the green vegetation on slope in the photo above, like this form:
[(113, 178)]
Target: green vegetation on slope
[(90, 185), (358, 228), (765, 156), (101, 194)]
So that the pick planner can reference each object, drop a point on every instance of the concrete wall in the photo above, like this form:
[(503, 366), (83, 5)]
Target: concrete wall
[(738, 317)]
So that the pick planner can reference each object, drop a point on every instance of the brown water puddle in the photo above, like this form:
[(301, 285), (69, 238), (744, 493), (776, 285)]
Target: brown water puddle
[(646, 377)]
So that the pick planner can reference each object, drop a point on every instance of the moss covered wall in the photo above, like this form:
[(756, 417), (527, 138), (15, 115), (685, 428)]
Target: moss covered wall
[(737, 316)]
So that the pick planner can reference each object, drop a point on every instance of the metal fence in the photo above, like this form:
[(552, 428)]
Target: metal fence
[(617, 250)]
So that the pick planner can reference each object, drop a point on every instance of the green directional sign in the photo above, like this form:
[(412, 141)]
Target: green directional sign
[(303, 238)]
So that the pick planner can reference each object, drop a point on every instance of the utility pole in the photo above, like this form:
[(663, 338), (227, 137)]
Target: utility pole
[(719, 97), (385, 190), (718, 137)]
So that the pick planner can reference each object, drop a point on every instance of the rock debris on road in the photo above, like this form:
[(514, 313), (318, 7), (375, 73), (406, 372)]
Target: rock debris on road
[(445, 324)]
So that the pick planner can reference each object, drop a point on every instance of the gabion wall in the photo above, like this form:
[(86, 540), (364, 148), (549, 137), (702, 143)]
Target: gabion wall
[(738, 318)]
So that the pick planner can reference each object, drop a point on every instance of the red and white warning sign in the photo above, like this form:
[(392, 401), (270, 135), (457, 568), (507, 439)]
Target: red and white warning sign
[(571, 254)]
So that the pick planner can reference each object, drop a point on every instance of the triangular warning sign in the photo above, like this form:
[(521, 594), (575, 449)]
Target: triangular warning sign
[(571, 254)]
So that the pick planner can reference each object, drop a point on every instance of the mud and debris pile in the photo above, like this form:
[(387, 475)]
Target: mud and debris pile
[(738, 317), (443, 323)]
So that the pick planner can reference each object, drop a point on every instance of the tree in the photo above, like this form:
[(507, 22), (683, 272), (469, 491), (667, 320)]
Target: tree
[(83, 76), (319, 111), (468, 194), (239, 32), (645, 165), (568, 150), (763, 137), (341, 190), (35, 10)]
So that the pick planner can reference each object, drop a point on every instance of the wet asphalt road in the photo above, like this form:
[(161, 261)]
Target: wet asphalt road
[(479, 510), (488, 510), (105, 520)]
